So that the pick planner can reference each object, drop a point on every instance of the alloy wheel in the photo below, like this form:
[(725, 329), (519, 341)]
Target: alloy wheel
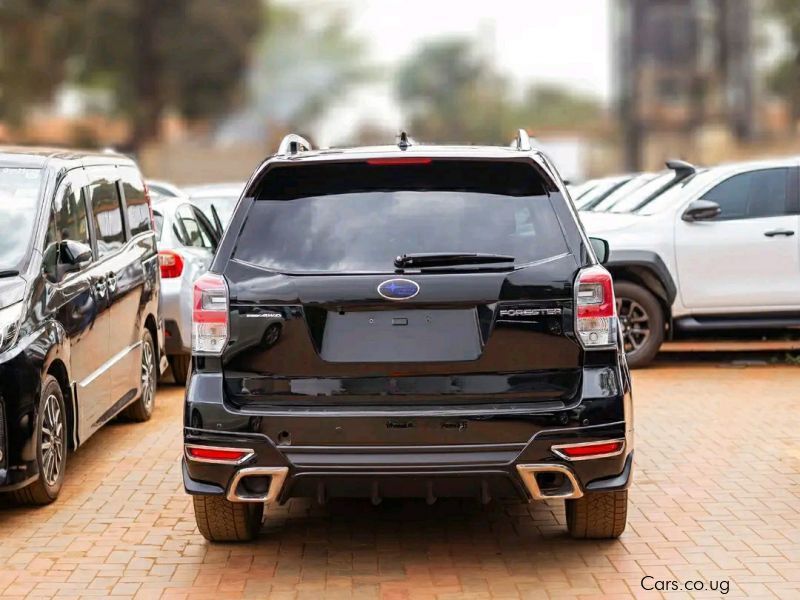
[(635, 323), (148, 375), (52, 445)]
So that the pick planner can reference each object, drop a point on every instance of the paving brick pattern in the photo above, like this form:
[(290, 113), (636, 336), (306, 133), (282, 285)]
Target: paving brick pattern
[(716, 497)]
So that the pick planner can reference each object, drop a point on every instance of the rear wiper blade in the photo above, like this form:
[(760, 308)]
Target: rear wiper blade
[(443, 259), (8, 273)]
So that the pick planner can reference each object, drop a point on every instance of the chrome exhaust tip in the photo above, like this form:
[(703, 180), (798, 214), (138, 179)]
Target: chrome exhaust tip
[(528, 475), (277, 477)]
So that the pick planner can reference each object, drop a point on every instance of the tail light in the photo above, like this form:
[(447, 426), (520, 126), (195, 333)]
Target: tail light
[(171, 264), (595, 308), (210, 315), (588, 450), (214, 454)]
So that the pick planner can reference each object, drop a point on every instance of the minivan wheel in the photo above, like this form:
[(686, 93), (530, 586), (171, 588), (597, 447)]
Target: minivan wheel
[(641, 320), (51, 447), (220, 520), (179, 363), (142, 408), (597, 515)]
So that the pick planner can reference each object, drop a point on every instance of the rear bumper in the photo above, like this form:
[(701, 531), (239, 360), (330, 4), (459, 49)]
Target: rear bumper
[(527, 481), (486, 453)]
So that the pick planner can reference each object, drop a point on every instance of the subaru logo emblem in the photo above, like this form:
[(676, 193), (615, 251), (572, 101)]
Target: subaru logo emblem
[(398, 289)]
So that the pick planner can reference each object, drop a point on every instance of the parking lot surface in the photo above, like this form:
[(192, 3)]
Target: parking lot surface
[(716, 498)]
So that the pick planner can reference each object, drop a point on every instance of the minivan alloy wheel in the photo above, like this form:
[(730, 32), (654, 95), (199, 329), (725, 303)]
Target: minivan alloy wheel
[(148, 375), (635, 323), (53, 451)]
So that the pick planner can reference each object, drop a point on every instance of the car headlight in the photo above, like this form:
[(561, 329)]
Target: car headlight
[(10, 318)]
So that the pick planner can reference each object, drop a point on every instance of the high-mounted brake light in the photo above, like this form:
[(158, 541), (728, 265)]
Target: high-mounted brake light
[(595, 308), (210, 315), (587, 450), (171, 264), (411, 160), (217, 455)]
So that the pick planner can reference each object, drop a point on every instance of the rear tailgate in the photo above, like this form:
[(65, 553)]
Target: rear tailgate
[(312, 322)]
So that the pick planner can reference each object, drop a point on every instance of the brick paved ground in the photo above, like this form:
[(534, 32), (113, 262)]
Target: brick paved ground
[(716, 497)]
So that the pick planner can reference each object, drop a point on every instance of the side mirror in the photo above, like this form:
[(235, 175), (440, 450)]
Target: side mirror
[(601, 249), (701, 210), (73, 256)]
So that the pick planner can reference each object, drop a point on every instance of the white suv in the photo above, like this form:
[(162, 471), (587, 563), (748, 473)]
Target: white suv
[(719, 250)]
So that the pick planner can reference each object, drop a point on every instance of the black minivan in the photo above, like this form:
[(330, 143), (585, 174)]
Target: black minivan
[(80, 337), (407, 321)]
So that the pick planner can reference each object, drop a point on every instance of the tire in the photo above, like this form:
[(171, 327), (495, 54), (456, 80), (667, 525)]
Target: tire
[(220, 520), (597, 515), (179, 363), (633, 303), (142, 409), (51, 447)]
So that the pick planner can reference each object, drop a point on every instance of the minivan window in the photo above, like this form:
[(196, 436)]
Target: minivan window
[(107, 215), (135, 201), (357, 217), (70, 214), (19, 203)]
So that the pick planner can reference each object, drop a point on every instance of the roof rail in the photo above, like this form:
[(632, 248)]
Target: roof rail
[(293, 143), (522, 142)]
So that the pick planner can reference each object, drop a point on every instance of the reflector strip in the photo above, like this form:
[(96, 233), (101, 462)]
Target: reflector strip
[(589, 449), (214, 454)]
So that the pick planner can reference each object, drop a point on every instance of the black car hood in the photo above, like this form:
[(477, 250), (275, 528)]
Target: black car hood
[(12, 290)]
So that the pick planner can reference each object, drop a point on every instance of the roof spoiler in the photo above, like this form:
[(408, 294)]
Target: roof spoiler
[(682, 168)]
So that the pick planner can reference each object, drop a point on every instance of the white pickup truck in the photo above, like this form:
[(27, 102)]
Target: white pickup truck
[(718, 250)]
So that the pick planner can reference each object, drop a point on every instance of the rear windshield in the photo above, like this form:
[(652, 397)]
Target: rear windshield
[(357, 217)]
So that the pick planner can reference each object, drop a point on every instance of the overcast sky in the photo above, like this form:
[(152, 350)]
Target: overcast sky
[(565, 41)]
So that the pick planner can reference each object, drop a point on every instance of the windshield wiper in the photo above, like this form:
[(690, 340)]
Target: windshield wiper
[(443, 259), (8, 272)]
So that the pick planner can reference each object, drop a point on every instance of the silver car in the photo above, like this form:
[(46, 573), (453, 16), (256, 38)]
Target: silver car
[(216, 200), (186, 244)]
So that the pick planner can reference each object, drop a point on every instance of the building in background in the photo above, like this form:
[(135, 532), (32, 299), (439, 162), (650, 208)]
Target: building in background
[(684, 75)]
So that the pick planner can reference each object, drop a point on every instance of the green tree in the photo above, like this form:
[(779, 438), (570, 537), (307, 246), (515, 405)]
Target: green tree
[(187, 55), (453, 94), (301, 65), (553, 106), (35, 40)]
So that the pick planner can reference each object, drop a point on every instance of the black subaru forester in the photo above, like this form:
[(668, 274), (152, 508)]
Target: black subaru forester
[(407, 321)]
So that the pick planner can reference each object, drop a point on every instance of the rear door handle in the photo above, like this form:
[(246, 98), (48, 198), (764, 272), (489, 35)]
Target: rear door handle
[(100, 287), (777, 232), (112, 282)]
